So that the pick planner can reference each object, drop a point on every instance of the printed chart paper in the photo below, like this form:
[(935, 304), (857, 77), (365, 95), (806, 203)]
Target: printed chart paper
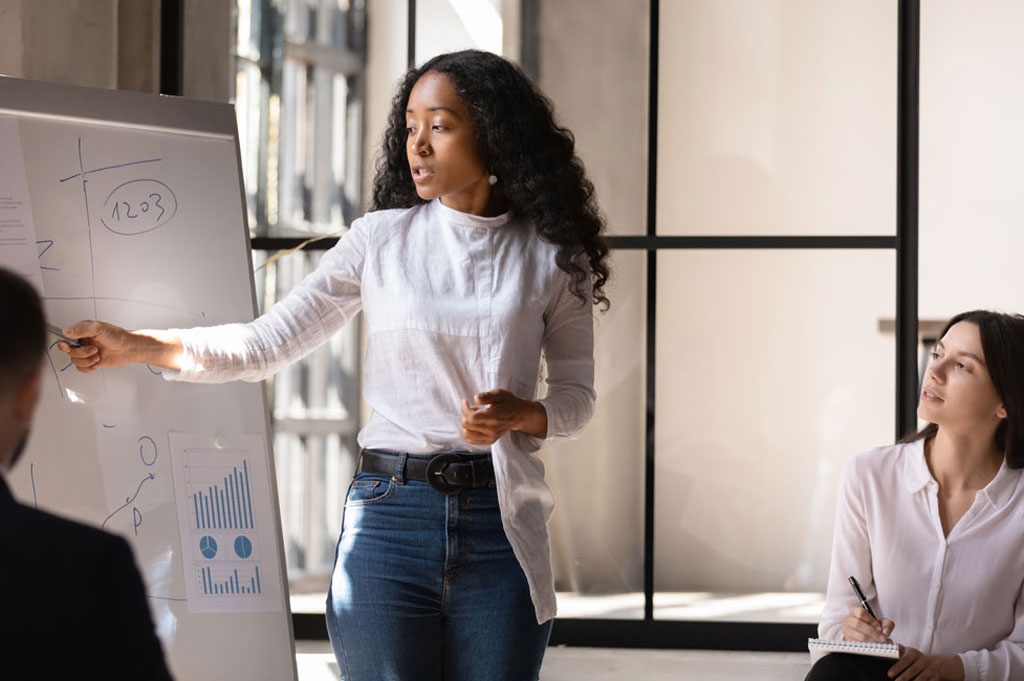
[(18, 249), (229, 543)]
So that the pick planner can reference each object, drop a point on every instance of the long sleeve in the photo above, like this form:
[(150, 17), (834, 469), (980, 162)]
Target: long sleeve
[(851, 555), (1005, 661), (568, 347), (296, 326)]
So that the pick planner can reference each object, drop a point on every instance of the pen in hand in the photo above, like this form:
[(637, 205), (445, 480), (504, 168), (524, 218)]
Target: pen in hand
[(860, 597), (867, 608)]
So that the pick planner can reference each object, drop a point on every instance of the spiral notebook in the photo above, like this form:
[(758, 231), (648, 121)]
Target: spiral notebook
[(819, 647)]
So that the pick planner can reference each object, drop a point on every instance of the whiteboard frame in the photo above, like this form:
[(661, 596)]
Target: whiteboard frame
[(158, 113)]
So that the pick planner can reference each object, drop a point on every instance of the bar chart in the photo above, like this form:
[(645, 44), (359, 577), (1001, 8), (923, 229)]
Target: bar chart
[(230, 581), (222, 498)]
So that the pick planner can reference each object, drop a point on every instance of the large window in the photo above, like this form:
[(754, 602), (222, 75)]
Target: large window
[(751, 194), (299, 98), (757, 166)]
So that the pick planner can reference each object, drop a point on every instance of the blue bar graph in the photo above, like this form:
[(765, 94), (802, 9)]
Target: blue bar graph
[(228, 581), (225, 505)]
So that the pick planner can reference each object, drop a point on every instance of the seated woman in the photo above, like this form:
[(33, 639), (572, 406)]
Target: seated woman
[(933, 527)]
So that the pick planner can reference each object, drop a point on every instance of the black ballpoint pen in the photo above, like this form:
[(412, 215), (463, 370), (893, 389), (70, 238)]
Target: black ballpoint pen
[(860, 597)]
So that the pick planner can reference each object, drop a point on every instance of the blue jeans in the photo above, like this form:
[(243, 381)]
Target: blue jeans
[(426, 588)]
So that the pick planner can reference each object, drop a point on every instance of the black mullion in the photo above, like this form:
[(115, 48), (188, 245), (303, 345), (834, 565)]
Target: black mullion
[(682, 634), (751, 242), (652, 299), (172, 52), (662, 243), (908, 126), (653, 634)]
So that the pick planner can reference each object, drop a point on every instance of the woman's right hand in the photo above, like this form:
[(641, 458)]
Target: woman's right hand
[(103, 345), (861, 626)]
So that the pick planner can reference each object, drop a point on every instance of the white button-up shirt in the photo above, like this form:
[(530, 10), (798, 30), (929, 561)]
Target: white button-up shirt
[(455, 304), (958, 594)]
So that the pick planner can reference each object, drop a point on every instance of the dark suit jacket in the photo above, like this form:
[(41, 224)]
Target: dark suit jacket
[(72, 602)]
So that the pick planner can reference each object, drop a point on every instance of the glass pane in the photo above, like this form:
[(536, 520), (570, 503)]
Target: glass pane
[(316, 21), (777, 117), (972, 157), (597, 530), (249, 111), (248, 27), (592, 58), (772, 373), (318, 185), (315, 416), (450, 25)]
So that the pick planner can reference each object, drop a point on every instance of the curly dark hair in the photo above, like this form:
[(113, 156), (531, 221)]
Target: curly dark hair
[(541, 177)]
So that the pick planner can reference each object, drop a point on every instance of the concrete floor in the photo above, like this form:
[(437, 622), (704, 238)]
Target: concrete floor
[(316, 663)]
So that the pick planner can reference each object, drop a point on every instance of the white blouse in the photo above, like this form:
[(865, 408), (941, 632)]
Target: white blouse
[(958, 594), (455, 304)]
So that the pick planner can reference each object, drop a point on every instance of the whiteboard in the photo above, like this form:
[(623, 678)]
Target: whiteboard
[(139, 217)]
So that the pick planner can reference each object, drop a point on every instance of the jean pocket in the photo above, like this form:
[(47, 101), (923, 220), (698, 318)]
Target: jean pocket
[(366, 492)]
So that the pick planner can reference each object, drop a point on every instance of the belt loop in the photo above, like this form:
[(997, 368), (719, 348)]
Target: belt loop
[(399, 475)]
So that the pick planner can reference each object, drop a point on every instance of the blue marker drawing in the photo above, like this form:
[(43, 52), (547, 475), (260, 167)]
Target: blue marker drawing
[(137, 516), (105, 425), (142, 450), (128, 501), (119, 165), (32, 476), (155, 372), (49, 245), (127, 300), (139, 209), (88, 223)]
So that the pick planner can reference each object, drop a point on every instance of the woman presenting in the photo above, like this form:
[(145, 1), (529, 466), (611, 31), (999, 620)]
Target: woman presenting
[(933, 527), (482, 251)]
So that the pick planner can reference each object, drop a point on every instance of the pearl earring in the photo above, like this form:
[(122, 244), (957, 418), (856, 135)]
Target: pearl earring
[(492, 180)]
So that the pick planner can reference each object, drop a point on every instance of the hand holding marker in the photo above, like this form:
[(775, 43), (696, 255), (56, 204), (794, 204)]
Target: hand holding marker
[(59, 333)]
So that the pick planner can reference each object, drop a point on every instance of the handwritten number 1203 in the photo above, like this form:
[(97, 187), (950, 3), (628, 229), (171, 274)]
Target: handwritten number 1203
[(144, 207)]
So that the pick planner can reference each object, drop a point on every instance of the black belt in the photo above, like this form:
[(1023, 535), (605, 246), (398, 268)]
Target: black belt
[(448, 473)]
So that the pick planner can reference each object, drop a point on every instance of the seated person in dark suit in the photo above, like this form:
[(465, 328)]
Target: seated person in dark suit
[(72, 602)]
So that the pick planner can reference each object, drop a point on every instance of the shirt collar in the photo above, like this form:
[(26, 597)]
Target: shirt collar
[(454, 217), (916, 476), (1002, 487), (915, 470)]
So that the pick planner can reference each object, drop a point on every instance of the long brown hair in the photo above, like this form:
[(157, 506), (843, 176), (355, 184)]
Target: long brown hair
[(1002, 341)]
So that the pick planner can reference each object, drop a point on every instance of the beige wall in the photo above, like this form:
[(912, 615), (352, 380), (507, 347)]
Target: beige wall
[(972, 156), (777, 117), (114, 44), (209, 68), (593, 62)]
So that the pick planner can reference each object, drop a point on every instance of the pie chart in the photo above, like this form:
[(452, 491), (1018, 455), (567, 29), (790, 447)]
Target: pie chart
[(243, 547), (208, 546)]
